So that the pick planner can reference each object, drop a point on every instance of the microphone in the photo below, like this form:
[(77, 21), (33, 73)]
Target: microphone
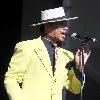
[(83, 38)]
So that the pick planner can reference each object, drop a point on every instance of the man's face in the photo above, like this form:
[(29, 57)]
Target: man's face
[(59, 30)]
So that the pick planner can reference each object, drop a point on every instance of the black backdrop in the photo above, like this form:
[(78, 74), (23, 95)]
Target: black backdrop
[(11, 15), (17, 15)]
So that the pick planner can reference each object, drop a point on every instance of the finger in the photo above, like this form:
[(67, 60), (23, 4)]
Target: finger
[(78, 52), (89, 53)]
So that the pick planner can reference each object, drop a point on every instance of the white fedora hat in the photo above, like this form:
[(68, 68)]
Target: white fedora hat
[(53, 15)]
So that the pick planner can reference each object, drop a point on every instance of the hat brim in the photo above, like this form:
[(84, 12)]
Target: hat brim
[(54, 20)]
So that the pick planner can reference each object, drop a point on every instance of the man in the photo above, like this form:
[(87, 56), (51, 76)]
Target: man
[(38, 69)]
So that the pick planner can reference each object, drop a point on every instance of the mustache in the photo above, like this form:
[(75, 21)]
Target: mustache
[(63, 33)]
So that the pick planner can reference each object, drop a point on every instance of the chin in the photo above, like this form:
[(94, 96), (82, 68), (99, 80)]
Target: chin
[(61, 40)]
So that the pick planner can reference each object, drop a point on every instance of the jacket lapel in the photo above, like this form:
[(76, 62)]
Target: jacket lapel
[(42, 54), (63, 58)]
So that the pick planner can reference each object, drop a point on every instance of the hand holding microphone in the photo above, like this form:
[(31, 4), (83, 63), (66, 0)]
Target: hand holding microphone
[(86, 40)]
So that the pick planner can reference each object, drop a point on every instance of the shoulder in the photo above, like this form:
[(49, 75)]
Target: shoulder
[(28, 46), (67, 53), (28, 43)]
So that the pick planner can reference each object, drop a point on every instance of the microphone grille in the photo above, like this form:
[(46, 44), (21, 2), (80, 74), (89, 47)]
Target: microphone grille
[(73, 34)]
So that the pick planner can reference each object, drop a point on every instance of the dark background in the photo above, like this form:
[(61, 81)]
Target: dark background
[(17, 15)]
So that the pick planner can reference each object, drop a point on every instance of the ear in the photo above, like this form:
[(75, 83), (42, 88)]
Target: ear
[(48, 27)]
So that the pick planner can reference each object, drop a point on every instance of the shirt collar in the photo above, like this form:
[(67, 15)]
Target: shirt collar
[(52, 40)]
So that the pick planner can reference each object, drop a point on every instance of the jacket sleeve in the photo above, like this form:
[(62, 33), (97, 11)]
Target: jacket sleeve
[(15, 73), (73, 84)]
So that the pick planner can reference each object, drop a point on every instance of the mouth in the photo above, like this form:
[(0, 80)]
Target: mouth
[(63, 33)]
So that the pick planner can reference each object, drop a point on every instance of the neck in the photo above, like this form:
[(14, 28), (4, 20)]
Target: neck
[(51, 38)]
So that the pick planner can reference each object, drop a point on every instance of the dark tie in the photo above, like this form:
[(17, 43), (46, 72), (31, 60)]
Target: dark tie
[(55, 55)]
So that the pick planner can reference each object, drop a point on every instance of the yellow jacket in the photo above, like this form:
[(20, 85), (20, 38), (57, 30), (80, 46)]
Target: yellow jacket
[(30, 66)]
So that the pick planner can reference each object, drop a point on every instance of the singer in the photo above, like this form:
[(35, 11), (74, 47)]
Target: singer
[(38, 69)]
